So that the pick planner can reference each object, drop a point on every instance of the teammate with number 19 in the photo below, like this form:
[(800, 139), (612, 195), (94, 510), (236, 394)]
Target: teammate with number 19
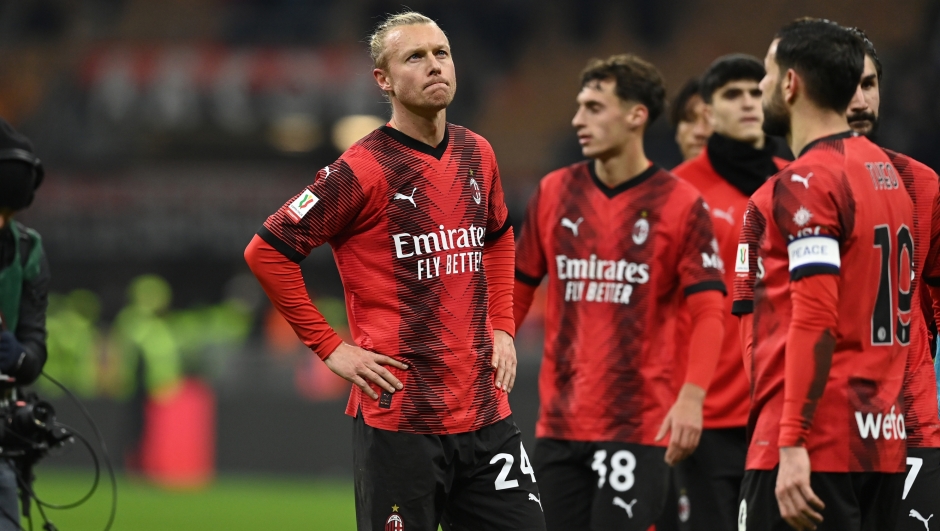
[(919, 498), (825, 265), (419, 228), (623, 243)]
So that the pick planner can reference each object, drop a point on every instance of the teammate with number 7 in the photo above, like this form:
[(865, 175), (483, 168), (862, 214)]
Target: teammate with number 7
[(824, 277), (623, 243)]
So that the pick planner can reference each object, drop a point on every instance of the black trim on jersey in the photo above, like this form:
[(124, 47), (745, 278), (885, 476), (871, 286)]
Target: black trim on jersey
[(622, 187), (933, 282), (417, 145), (279, 244), (837, 136), (708, 285), (526, 279), (813, 269), (742, 307), (498, 233)]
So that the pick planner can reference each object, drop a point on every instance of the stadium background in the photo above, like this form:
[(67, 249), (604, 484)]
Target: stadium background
[(170, 129)]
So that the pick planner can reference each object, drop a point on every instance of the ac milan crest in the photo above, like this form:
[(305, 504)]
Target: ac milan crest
[(395, 522)]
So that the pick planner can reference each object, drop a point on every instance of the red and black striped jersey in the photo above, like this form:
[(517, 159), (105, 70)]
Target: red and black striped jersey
[(619, 262), (408, 224), (839, 209), (726, 403), (920, 382)]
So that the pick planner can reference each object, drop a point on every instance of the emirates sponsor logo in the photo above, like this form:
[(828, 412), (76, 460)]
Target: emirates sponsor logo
[(445, 252), (594, 280)]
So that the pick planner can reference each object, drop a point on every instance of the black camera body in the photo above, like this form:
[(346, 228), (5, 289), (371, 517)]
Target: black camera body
[(28, 429)]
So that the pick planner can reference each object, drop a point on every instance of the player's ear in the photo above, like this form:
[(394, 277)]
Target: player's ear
[(637, 116), (792, 83), (382, 79)]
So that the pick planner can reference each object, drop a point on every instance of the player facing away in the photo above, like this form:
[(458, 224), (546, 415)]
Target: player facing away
[(623, 243), (825, 246), (737, 160), (419, 228), (919, 499)]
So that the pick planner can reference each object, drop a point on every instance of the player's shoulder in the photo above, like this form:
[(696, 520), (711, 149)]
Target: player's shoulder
[(460, 134), (566, 175), (679, 189), (904, 162), (696, 168)]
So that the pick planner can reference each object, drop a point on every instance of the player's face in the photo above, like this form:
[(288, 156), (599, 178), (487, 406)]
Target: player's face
[(863, 109), (604, 122), (692, 134), (420, 71), (736, 111), (776, 113)]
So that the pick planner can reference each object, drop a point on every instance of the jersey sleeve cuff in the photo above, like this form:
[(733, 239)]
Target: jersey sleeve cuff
[(280, 245), (526, 279), (498, 233), (328, 345), (708, 285), (742, 307), (791, 436), (933, 282), (507, 325)]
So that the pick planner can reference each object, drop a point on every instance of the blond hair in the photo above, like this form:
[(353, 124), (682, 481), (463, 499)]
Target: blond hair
[(377, 39)]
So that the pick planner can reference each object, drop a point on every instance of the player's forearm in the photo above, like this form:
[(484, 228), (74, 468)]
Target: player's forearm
[(522, 297), (499, 257), (708, 330), (810, 345), (284, 284), (746, 330)]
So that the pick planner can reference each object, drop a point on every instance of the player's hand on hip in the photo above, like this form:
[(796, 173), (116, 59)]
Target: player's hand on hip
[(684, 421), (361, 367), (504, 360), (799, 505)]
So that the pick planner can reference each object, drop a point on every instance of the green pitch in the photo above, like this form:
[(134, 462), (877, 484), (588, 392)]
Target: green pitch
[(230, 503)]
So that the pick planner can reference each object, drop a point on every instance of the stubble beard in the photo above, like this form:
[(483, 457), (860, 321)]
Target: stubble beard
[(776, 116)]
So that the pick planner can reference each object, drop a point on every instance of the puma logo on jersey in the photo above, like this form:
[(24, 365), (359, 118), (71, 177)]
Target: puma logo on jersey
[(800, 179), (913, 514), (727, 215), (327, 170), (624, 505), (533, 497), (409, 198), (573, 225)]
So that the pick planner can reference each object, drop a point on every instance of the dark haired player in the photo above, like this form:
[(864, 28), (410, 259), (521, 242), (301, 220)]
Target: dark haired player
[(415, 215), (738, 159), (687, 116), (825, 265), (919, 499), (623, 243)]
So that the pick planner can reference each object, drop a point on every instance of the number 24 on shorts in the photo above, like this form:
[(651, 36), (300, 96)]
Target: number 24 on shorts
[(622, 466), (525, 467)]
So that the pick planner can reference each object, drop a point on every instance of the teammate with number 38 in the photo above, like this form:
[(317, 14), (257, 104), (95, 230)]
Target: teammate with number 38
[(826, 265), (624, 244)]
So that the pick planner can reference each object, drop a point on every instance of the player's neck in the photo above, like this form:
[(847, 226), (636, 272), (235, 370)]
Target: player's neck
[(427, 129), (812, 123), (619, 168)]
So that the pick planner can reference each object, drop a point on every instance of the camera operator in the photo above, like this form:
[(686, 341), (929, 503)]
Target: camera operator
[(24, 289)]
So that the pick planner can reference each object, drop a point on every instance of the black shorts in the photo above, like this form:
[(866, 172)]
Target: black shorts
[(600, 485), (920, 499), (475, 481), (855, 501), (706, 487)]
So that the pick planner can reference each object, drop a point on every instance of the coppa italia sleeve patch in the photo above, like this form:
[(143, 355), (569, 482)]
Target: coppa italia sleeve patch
[(302, 205), (742, 260), (814, 251)]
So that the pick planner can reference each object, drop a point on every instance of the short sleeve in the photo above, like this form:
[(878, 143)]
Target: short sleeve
[(497, 220), (530, 257), (700, 264), (814, 211), (747, 266), (319, 212)]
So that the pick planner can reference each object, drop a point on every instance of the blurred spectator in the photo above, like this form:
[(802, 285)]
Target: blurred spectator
[(688, 116)]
